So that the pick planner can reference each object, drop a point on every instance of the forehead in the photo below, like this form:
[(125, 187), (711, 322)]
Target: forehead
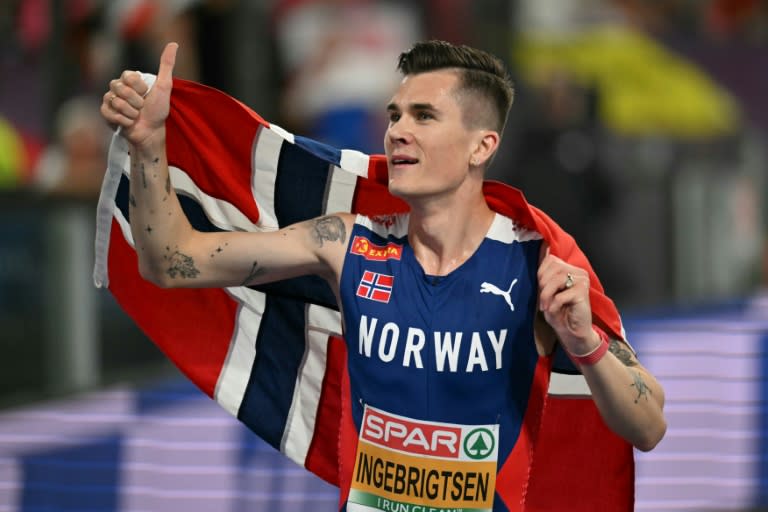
[(434, 87)]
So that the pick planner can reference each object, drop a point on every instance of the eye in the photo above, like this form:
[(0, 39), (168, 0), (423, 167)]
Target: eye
[(394, 116), (424, 116)]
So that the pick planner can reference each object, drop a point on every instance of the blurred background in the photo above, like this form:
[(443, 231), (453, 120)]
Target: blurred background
[(641, 127)]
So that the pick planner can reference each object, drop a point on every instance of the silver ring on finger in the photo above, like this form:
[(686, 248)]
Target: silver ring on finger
[(568, 280)]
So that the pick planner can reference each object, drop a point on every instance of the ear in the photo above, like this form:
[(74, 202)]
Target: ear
[(486, 146)]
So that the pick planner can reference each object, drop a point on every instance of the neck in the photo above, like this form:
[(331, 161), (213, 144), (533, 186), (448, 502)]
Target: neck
[(444, 236)]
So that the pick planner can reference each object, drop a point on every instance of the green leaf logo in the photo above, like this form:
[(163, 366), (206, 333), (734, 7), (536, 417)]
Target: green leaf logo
[(479, 443)]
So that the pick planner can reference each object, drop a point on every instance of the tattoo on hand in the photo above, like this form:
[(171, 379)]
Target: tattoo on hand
[(182, 265), (622, 354), (329, 228), (254, 273), (640, 387)]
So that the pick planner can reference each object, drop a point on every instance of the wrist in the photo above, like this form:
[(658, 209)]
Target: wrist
[(596, 353), (152, 144)]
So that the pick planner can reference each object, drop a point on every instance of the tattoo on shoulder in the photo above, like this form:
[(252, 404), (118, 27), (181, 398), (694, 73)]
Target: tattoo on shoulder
[(181, 265), (254, 273), (622, 354), (329, 228), (640, 386)]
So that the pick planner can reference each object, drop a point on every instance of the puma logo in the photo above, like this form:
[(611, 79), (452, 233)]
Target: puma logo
[(492, 288)]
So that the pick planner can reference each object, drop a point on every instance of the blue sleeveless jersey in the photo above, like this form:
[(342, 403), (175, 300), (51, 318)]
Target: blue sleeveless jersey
[(457, 348)]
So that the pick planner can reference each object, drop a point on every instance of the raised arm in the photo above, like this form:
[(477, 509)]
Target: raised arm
[(629, 398), (171, 253)]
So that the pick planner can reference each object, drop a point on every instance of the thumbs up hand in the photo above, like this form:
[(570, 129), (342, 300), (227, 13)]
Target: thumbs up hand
[(128, 105)]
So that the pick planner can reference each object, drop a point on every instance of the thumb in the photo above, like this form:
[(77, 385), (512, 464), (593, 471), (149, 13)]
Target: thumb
[(167, 61)]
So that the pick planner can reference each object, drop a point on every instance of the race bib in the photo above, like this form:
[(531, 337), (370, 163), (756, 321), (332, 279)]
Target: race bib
[(409, 465)]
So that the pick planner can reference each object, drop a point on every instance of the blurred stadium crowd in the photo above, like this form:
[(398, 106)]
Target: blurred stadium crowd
[(639, 126)]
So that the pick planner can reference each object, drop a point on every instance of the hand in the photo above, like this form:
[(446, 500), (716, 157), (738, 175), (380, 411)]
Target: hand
[(565, 303), (126, 105)]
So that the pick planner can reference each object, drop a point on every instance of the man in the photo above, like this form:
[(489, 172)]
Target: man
[(450, 312)]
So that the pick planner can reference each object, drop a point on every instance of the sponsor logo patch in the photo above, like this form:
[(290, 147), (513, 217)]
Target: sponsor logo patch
[(423, 466), (373, 252)]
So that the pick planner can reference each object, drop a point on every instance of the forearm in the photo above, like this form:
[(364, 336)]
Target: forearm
[(628, 397), (158, 223)]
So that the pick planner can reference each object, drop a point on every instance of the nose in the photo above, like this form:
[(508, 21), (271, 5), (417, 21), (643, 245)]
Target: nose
[(398, 133)]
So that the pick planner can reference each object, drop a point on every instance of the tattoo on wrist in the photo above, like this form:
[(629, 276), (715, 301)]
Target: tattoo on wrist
[(329, 228), (254, 273), (622, 354), (640, 386), (181, 265)]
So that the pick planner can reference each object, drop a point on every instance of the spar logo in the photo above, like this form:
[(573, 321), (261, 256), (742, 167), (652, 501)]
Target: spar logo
[(373, 252), (479, 444), (411, 436)]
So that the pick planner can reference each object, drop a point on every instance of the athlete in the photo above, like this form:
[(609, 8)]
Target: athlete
[(448, 310)]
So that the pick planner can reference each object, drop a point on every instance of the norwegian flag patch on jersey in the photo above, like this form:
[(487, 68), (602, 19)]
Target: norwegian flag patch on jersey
[(375, 286)]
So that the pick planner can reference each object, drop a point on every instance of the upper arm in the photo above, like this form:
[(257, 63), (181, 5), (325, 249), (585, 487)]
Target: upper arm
[(221, 259)]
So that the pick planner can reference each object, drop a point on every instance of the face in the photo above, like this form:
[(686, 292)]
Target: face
[(428, 147)]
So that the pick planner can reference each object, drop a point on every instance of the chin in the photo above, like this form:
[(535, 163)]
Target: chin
[(397, 190)]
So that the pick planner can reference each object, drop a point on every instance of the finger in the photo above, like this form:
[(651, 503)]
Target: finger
[(547, 292), (114, 118), (118, 105), (133, 80), (555, 281), (560, 303), (130, 87), (167, 61)]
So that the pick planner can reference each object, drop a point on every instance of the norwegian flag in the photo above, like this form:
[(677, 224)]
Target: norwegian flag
[(273, 355), (375, 286)]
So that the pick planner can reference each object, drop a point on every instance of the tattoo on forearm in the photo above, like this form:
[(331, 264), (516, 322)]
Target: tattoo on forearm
[(143, 174), (329, 228), (640, 386), (254, 273), (622, 354), (219, 250), (132, 200), (181, 265), (167, 185)]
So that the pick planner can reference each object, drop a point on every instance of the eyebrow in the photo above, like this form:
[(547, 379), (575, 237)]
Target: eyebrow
[(413, 106)]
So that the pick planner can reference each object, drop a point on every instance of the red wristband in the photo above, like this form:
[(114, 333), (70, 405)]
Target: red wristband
[(594, 355)]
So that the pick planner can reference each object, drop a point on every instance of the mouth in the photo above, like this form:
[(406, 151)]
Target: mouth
[(402, 161)]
